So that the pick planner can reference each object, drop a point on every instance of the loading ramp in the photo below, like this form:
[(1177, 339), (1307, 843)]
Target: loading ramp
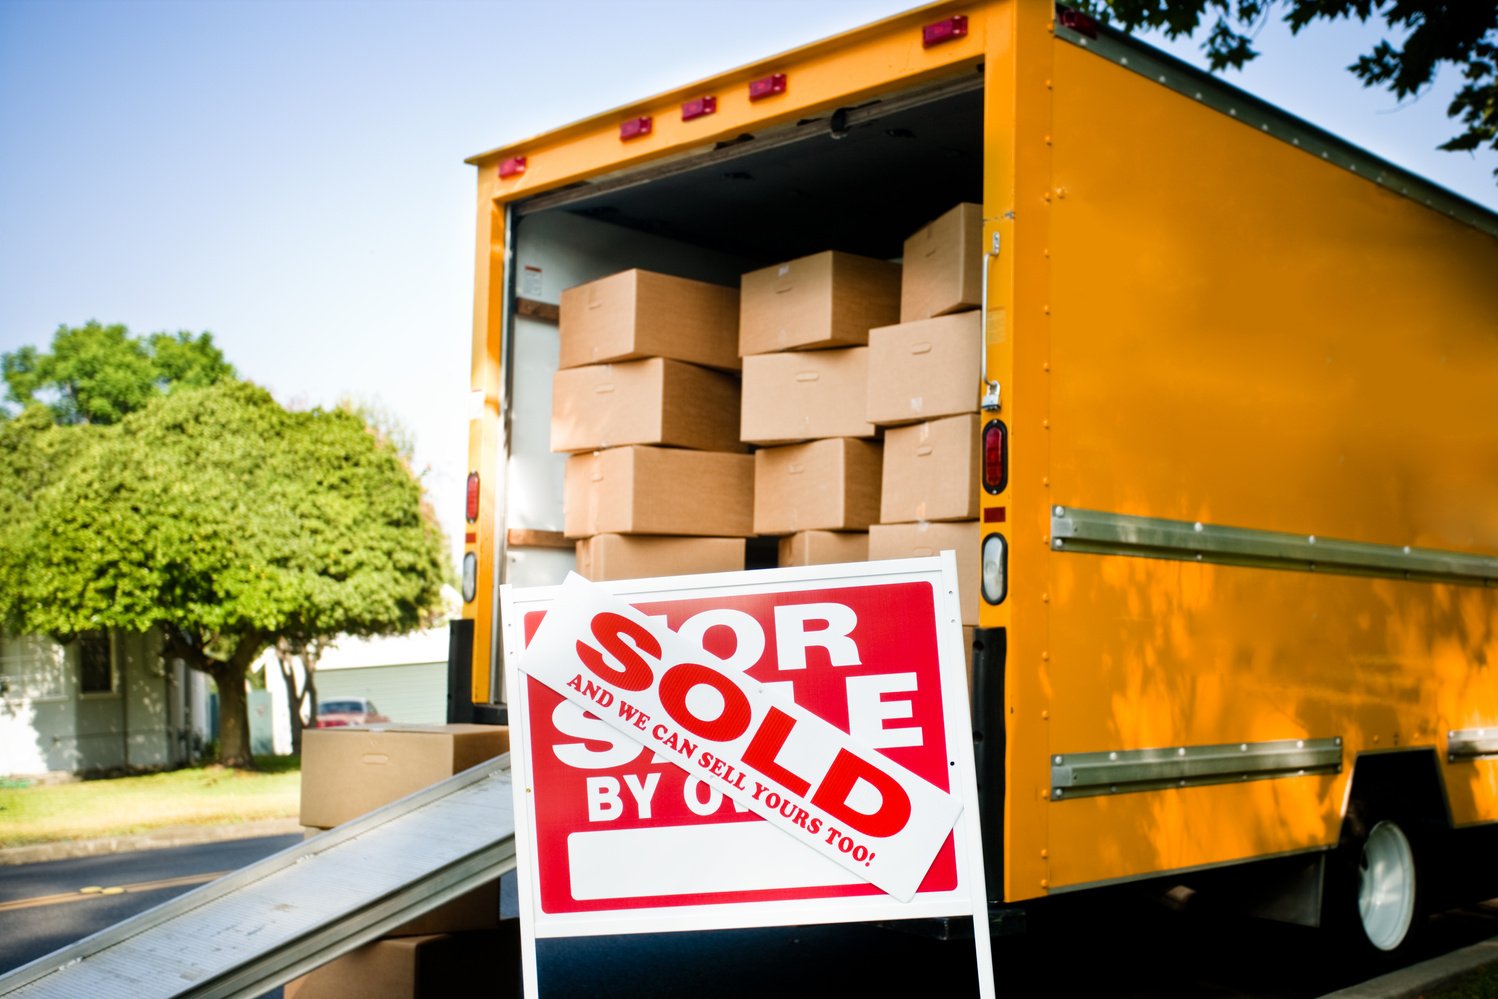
[(264, 925)]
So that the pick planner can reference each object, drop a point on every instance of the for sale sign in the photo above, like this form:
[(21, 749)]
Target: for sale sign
[(759, 748)]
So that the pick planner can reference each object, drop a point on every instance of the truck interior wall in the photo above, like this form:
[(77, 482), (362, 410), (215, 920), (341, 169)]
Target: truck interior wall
[(1243, 335), (554, 251)]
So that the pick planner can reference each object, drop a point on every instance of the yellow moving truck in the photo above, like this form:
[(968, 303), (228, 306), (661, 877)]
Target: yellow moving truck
[(1238, 509)]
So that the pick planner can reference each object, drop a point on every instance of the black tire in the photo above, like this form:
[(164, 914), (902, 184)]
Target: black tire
[(1376, 891)]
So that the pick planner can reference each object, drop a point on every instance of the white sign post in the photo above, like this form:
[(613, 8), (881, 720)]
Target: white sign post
[(743, 749)]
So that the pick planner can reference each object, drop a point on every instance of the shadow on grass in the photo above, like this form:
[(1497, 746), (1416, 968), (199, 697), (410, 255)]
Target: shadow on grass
[(263, 765)]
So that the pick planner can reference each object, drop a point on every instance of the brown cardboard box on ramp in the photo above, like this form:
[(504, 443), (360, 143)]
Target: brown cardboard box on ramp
[(347, 772), (434, 966)]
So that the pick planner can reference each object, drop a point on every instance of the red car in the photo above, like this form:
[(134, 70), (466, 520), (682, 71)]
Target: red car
[(348, 711)]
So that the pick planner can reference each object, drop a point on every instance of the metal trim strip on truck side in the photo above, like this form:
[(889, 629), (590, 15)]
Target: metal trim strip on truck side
[(1468, 744), (1097, 533), (1084, 775)]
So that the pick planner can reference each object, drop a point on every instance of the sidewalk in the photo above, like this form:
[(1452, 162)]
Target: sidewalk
[(156, 839), (1424, 978)]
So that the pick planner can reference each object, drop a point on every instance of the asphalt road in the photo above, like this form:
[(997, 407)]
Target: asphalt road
[(43, 908), (1121, 944)]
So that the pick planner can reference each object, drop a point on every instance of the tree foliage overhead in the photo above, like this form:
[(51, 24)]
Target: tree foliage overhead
[(1433, 32), (99, 374), (228, 523)]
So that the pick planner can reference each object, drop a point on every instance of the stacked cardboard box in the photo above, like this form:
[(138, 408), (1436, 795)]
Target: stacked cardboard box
[(923, 390), (803, 334), (646, 402), (347, 772)]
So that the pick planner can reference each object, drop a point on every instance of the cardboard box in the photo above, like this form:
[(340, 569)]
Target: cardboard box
[(944, 266), (630, 556), (472, 911), (824, 547), (658, 490), (419, 967), (804, 395), (931, 471), (635, 314), (654, 401), (830, 485), (918, 540), (828, 299), (349, 771), (923, 370)]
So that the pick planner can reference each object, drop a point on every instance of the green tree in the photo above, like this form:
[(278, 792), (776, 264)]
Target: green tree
[(1433, 32), (99, 374), (228, 523), (35, 454)]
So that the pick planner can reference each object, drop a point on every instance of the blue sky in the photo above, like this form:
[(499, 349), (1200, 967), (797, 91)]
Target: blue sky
[(289, 174)]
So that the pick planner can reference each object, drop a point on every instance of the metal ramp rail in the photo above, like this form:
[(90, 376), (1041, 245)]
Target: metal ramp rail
[(264, 925)]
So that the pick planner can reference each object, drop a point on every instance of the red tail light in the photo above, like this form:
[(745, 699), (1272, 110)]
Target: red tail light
[(947, 30), (512, 167), (698, 108), (635, 128), (1077, 21), (995, 457), (767, 86), (471, 508)]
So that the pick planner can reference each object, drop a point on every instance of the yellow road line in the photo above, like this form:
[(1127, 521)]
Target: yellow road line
[(94, 891)]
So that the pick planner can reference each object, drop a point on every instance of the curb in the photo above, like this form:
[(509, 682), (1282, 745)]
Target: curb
[(156, 839), (1421, 979)]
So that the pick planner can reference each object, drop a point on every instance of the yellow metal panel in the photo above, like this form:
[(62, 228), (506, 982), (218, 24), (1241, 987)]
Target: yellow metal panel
[(484, 430), (840, 71), (1244, 335), (1155, 654), (1247, 336), (1017, 160)]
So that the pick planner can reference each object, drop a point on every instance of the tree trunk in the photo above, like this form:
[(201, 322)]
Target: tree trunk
[(310, 656), (229, 675), (233, 705), (305, 697), (286, 656), (233, 717)]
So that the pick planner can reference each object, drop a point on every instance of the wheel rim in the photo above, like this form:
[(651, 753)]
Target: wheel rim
[(1386, 886)]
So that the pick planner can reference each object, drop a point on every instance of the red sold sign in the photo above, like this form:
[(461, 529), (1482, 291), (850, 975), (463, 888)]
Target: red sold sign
[(741, 739), (743, 749)]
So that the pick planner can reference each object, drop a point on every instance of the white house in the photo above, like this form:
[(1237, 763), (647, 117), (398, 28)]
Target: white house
[(404, 675), (102, 701)]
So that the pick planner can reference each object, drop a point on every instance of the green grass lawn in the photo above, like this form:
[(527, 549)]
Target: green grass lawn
[(212, 795)]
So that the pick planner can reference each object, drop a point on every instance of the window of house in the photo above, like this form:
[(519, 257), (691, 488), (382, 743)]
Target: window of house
[(95, 665)]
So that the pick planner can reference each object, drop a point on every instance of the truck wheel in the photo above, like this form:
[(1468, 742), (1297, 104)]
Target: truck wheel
[(1377, 891), (1387, 886)]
